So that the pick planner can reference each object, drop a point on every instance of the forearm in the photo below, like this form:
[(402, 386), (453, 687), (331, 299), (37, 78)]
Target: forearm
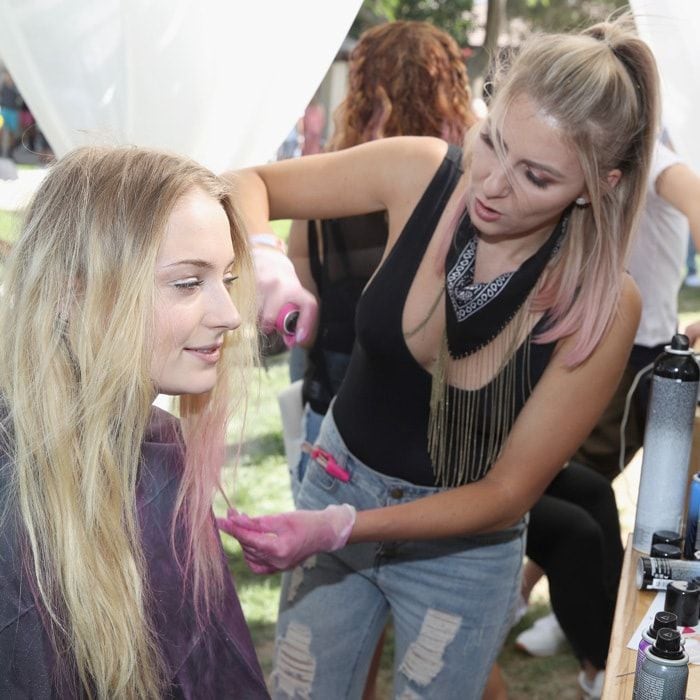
[(484, 506), (250, 196)]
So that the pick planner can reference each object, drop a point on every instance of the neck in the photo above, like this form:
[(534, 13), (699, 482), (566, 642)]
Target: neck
[(506, 253)]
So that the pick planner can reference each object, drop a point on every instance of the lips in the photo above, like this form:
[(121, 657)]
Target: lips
[(209, 354), (485, 213)]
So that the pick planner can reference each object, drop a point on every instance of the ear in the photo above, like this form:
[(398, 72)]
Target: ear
[(613, 177)]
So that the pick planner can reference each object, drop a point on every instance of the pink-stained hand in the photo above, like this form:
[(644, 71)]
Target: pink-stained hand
[(279, 542), (277, 284), (693, 332)]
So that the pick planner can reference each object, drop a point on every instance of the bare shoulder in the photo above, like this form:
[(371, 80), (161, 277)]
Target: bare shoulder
[(411, 163), (422, 153), (629, 309)]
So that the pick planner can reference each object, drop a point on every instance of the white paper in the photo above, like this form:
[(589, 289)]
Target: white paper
[(691, 635)]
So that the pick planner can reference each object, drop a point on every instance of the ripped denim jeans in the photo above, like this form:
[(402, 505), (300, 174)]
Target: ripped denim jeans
[(450, 600)]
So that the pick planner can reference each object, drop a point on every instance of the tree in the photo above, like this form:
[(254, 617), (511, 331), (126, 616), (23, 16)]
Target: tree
[(561, 15), (452, 16)]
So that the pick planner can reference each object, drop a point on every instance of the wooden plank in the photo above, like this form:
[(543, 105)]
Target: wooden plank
[(632, 605)]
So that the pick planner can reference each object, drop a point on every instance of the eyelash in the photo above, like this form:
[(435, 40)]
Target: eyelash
[(194, 283), (536, 181)]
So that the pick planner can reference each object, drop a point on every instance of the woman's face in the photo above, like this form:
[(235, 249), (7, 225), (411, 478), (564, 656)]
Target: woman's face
[(193, 306), (541, 176)]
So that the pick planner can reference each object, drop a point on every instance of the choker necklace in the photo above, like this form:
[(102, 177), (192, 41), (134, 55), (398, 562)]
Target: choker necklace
[(484, 358)]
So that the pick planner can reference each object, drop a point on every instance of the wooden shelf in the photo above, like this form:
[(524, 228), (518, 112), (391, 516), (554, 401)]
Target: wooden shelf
[(632, 605)]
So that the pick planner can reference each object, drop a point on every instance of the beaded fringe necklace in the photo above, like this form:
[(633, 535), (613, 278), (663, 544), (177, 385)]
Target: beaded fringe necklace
[(484, 357)]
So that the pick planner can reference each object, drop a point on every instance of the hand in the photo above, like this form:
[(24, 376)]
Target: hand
[(277, 285), (279, 542), (693, 332)]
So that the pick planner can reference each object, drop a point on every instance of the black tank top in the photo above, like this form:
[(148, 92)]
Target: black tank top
[(382, 407)]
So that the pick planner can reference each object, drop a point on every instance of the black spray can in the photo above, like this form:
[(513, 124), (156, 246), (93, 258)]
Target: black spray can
[(662, 620), (667, 442), (664, 671)]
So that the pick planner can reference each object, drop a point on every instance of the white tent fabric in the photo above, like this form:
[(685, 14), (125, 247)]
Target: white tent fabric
[(222, 81), (672, 29)]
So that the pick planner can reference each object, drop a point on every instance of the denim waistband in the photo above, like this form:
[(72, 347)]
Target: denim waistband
[(378, 485)]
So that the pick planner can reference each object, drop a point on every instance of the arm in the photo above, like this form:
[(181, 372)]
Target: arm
[(680, 187), (558, 416), (298, 251), (386, 174)]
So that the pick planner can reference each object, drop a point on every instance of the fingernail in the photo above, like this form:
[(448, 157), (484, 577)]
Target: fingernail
[(300, 335)]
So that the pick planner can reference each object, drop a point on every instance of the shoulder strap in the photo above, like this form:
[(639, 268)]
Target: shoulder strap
[(434, 199), (314, 258)]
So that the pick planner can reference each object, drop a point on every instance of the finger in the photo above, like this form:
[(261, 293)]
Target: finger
[(225, 526), (246, 523), (260, 568), (308, 311)]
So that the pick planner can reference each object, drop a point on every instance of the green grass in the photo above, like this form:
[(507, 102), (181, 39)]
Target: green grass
[(262, 486), (281, 228), (8, 225)]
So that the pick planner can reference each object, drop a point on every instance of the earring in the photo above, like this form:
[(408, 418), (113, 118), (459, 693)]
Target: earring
[(582, 202)]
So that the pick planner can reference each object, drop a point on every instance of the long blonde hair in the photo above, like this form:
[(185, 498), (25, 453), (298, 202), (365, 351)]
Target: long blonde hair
[(76, 340), (600, 88)]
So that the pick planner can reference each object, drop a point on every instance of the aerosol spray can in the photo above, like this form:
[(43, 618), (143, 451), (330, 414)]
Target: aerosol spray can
[(662, 620), (664, 671), (667, 442), (692, 534), (655, 574)]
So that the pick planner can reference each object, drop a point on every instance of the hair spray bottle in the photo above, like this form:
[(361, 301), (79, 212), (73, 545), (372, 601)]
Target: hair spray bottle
[(662, 620), (667, 442), (664, 671)]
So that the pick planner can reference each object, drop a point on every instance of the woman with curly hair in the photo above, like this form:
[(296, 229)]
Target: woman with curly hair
[(406, 79), (113, 583)]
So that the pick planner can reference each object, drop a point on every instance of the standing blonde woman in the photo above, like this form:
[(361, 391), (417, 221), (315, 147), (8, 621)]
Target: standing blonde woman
[(113, 582), (488, 343), (405, 78)]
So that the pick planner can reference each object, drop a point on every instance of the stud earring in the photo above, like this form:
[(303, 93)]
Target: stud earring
[(582, 202)]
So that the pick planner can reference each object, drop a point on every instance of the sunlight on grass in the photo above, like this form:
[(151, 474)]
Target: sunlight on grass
[(9, 222), (261, 486)]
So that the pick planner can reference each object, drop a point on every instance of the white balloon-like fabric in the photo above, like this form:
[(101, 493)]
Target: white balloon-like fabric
[(222, 81), (671, 28)]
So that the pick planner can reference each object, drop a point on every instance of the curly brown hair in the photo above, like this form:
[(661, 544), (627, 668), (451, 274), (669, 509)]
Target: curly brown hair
[(406, 79)]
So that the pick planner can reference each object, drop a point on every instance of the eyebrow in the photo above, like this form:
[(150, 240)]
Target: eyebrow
[(197, 262), (531, 163)]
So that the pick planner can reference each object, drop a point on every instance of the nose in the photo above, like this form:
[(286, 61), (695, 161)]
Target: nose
[(222, 312), (496, 184)]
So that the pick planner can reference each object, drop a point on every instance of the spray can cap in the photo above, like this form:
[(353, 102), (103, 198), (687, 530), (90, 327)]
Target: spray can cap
[(668, 644), (663, 620), (680, 345), (665, 551)]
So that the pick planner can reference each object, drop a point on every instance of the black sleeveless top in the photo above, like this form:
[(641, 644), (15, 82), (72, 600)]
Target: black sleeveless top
[(383, 405)]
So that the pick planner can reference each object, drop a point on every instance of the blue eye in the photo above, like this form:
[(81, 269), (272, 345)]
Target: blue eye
[(190, 283)]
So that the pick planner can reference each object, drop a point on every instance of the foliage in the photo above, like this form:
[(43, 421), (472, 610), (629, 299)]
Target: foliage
[(561, 15), (452, 16)]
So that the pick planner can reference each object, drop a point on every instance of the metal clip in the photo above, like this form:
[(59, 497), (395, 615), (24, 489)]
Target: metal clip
[(327, 461)]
